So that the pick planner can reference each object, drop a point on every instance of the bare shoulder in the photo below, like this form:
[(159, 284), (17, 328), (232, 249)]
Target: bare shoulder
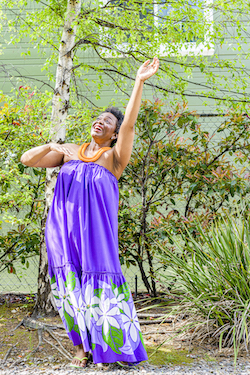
[(74, 149), (72, 146)]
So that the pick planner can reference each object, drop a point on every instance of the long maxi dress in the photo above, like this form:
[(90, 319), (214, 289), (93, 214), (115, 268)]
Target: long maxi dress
[(91, 293)]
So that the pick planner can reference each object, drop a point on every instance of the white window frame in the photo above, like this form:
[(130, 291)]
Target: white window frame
[(189, 48)]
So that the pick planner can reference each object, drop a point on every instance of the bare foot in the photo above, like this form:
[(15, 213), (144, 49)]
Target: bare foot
[(80, 353)]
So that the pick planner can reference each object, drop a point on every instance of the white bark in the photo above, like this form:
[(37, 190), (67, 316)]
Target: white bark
[(60, 101), (45, 303)]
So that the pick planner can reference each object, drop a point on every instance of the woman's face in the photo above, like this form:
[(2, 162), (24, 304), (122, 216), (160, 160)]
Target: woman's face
[(104, 127)]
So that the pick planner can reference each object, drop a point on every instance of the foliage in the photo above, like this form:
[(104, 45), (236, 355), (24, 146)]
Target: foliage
[(212, 275), (21, 189), (25, 123), (164, 172), (190, 38), (171, 180)]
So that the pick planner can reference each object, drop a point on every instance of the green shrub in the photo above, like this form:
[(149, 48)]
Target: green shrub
[(213, 278)]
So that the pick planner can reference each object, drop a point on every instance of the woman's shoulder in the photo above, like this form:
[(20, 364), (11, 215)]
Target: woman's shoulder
[(72, 145)]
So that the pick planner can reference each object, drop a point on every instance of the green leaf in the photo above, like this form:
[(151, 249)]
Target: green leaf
[(142, 340), (113, 286), (172, 201), (21, 167), (70, 282), (93, 346), (98, 292), (220, 340), (53, 279), (76, 329), (114, 339), (124, 288), (69, 320)]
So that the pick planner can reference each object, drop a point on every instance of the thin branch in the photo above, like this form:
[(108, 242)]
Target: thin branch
[(58, 341), (23, 19), (8, 353), (55, 347), (155, 86)]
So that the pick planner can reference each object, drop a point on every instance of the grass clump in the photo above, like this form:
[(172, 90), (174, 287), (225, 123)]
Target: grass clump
[(165, 356), (213, 278)]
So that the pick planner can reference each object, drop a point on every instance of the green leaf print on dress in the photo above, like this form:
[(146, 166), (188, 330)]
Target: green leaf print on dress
[(98, 292), (106, 312), (76, 329), (121, 293), (54, 290), (70, 282), (62, 298), (114, 338), (69, 320), (142, 340), (53, 280)]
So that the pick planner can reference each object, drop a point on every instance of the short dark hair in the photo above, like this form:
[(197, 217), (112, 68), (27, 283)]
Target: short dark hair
[(118, 114)]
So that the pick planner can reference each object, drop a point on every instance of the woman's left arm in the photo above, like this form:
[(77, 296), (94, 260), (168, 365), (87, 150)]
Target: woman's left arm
[(124, 145)]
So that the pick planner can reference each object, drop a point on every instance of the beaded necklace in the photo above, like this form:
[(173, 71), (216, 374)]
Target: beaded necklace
[(84, 158)]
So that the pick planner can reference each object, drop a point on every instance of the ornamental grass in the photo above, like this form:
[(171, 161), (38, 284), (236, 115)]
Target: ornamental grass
[(213, 281)]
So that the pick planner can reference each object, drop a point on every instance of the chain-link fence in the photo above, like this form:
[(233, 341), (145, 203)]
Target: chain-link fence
[(25, 280)]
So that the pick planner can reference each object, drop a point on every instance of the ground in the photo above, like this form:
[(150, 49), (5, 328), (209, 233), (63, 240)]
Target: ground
[(25, 340)]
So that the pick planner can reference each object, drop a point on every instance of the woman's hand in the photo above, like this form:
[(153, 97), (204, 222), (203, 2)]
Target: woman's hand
[(60, 149), (146, 71)]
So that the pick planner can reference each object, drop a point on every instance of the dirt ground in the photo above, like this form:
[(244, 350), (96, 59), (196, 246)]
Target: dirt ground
[(23, 341)]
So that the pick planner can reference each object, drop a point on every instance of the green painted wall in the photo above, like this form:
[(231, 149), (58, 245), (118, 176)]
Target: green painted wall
[(30, 67)]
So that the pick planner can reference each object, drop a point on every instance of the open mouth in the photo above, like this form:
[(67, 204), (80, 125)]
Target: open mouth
[(98, 127)]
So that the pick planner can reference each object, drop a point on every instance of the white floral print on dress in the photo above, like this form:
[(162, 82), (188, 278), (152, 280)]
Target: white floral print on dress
[(131, 322)]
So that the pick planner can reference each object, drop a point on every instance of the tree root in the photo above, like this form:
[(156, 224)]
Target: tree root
[(8, 353), (55, 338), (55, 347), (34, 324), (40, 327), (40, 341), (19, 324), (145, 315), (61, 334), (143, 322), (157, 332)]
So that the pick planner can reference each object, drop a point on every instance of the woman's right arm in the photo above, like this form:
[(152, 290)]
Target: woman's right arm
[(45, 156)]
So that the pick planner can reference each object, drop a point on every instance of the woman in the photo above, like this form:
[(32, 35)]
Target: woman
[(81, 234)]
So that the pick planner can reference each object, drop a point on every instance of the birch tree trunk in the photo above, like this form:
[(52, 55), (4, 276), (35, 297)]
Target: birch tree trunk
[(45, 302)]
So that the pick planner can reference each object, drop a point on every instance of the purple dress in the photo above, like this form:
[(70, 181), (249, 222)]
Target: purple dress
[(91, 293)]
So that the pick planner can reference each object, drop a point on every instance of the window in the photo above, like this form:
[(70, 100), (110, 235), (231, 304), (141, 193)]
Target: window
[(179, 37), (118, 32), (188, 41)]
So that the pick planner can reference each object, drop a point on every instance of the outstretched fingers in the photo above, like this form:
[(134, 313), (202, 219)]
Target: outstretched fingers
[(146, 63), (148, 70), (155, 64)]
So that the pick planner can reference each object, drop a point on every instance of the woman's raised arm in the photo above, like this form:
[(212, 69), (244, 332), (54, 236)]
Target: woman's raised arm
[(124, 145)]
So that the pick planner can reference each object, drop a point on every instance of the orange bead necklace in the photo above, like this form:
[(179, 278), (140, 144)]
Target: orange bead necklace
[(86, 159)]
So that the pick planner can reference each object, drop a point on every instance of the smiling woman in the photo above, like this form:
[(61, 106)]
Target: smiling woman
[(91, 293)]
